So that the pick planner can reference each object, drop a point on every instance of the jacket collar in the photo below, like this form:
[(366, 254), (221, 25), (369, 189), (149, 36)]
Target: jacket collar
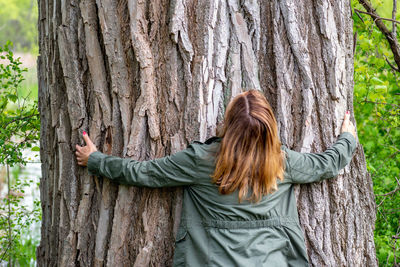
[(210, 140), (213, 139)]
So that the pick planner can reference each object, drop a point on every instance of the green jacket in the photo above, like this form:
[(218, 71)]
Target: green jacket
[(216, 230)]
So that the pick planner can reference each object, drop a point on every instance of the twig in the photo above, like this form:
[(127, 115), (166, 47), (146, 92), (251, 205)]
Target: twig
[(359, 16), (16, 118), (378, 210), (2, 255), (354, 42), (9, 212), (5, 251), (391, 65), (378, 103), (377, 17), (395, 240), (394, 46), (390, 193), (394, 10)]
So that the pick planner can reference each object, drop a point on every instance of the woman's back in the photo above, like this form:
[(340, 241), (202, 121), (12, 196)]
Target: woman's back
[(239, 207), (217, 230)]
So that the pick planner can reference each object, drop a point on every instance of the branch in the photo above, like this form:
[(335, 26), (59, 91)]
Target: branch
[(394, 191), (390, 193), (394, 10), (377, 17), (394, 46), (358, 15), (378, 103), (16, 118), (391, 65)]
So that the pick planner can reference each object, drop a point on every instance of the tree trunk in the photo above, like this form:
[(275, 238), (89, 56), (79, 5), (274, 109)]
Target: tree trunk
[(145, 78)]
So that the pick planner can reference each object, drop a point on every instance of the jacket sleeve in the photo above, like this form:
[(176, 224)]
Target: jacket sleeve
[(314, 167), (174, 170)]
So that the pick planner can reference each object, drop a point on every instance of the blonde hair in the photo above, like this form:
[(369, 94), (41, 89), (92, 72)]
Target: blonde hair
[(250, 154)]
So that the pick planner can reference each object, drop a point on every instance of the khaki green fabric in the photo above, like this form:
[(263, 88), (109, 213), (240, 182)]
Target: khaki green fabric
[(216, 230)]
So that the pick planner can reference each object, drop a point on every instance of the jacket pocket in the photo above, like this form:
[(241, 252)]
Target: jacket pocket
[(179, 253), (182, 232)]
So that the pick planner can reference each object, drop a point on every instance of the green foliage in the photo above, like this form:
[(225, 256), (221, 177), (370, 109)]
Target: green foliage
[(18, 22), (377, 110), (19, 130), (19, 117), (23, 245)]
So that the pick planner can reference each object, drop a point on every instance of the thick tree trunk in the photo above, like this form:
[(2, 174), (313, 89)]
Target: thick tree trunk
[(145, 78)]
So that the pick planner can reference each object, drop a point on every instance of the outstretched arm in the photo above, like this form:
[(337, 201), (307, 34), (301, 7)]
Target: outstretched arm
[(313, 167), (174, 170)]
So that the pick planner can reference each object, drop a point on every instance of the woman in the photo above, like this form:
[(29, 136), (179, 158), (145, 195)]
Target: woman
[(239, 207)]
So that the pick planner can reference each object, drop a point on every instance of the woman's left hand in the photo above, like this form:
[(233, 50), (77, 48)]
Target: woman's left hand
[(82, 152)]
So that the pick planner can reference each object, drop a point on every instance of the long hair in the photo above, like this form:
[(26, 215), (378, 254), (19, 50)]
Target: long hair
[(250, 156)]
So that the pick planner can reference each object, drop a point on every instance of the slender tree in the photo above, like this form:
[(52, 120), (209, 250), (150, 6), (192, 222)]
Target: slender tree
[(145, 78)]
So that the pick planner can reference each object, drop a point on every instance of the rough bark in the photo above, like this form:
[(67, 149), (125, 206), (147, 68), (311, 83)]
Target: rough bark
[(145, 78)]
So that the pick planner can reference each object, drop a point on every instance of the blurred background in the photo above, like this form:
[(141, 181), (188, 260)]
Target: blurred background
[(20, 169), (376, 107)]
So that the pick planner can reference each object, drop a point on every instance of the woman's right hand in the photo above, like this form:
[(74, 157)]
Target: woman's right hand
[(348, 126), (83, 152)]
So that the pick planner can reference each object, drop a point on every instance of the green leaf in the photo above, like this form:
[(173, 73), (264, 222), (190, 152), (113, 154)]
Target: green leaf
[(35, 148), (375, 80), (12, 97)]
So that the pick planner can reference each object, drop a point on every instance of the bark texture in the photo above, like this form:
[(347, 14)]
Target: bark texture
[(145, 78)]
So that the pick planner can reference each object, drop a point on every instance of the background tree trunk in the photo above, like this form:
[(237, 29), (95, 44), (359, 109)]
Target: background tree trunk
[(145, 78)]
